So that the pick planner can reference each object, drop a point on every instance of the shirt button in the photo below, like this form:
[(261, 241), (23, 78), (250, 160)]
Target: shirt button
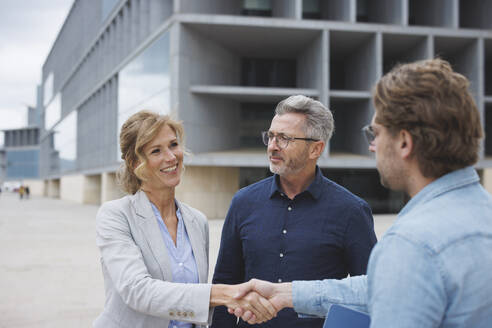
[(281, 254), (284, 231), (279, 280), (289, 208)]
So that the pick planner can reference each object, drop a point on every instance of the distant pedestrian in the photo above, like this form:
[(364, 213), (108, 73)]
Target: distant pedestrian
[(26, 189), (21, 192)]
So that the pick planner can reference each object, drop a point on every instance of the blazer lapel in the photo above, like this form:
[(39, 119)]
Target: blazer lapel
[(152, 233), (197, 242)]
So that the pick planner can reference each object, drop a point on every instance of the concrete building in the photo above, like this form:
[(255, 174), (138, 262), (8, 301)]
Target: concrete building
[(220, 66), (19, 152)]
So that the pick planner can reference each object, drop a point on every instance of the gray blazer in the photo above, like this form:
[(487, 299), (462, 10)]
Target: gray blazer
[(136, 269)]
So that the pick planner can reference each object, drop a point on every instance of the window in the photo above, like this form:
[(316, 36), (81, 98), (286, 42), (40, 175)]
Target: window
[(52, 112), (257, 8), (66, 142), (311, 9), (22, 163), (145, 83), (48, 89), (261, 72)]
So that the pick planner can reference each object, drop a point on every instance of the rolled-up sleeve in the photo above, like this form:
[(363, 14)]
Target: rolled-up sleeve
[(317, 296)]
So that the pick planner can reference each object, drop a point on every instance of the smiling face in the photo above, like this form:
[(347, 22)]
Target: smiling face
[(164, 156), (293, 158)]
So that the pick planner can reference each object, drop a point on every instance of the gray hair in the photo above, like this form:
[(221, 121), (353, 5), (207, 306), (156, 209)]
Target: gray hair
[(319, 119)]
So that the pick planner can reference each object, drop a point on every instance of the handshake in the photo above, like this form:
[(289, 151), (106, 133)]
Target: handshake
[(255, 301)]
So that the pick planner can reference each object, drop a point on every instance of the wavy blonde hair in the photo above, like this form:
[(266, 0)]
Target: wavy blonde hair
[(136, 133)]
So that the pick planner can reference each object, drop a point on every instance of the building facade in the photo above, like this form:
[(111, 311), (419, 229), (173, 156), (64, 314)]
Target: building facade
[(19, 150), (220, 66)]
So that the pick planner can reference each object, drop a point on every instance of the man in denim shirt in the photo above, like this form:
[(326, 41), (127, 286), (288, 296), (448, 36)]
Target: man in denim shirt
[(432, 268)]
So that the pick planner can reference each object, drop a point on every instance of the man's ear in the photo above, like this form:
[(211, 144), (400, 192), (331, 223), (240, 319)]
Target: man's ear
[(316, 149), (406, 144)]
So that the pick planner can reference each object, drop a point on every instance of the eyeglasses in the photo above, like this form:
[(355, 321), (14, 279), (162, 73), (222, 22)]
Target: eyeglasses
[(369, 134), (281, 140)]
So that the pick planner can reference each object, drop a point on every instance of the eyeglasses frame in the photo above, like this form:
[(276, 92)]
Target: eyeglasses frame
[(287, 138), (369, 133)]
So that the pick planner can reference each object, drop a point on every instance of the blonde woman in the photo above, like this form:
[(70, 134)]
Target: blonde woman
[(154, 249)]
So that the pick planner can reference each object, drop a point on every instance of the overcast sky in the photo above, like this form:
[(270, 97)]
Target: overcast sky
[(28, 29)]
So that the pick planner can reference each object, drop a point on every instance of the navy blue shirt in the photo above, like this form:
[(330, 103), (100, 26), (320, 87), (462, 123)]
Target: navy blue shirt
[(324, 232)]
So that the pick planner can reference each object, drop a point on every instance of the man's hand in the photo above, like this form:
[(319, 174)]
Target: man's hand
[(258, 307), (279, 295)]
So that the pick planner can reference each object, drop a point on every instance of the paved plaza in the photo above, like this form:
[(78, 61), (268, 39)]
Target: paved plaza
[(50, 274)]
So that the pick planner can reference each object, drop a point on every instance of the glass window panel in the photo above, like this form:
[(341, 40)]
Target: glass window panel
[(52, 113), (66, 142), (145, 83), (257, 4), (22, 163), (48, 89), (310, 6)]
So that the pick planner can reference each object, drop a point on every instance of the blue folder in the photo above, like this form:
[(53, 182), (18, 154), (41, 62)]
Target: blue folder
[(340, 316)]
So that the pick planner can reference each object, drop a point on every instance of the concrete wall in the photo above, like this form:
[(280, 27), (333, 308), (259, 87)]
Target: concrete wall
[(210, 123), (487, 179), (81, 188), (92, 189), (109, 187), (209, 189), (36, 186), (71, 188), (52, 188)]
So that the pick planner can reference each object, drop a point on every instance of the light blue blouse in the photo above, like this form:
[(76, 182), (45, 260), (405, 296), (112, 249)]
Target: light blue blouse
[(183, 264)]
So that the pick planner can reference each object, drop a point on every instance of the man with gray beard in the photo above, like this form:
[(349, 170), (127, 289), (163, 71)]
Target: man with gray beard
[(296, 224)]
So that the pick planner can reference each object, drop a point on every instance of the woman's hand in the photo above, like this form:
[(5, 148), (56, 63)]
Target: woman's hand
[(262, 310), (278, 295)]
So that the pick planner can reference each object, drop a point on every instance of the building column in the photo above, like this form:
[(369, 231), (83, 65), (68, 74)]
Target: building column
[(209, 189), (84, 189), (109, 187), (487, 179), (92, 189), (36, 186), (53, 188)]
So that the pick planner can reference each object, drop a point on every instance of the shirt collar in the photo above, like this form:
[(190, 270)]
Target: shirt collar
[(447, 182), (314, 188), (158, 214)]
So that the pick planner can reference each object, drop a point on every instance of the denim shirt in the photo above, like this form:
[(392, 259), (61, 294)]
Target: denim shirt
[(432, 268)]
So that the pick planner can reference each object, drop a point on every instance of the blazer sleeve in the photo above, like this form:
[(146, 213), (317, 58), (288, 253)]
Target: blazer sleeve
[(124, 263)]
